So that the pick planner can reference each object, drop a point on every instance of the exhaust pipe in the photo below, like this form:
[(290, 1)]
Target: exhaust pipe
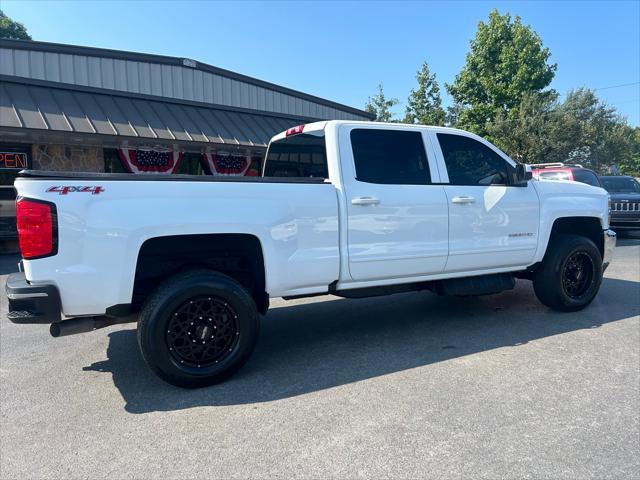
[(85, 324)]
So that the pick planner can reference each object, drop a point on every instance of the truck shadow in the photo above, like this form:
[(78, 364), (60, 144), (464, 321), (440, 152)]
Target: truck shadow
[(309, 347)]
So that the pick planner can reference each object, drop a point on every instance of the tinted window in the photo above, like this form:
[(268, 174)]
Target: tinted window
[(392, 157), (301, 155), (586, 176), (470, 162)]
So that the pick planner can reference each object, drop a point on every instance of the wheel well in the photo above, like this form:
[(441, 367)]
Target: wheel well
[(586, 226), (236, 255)]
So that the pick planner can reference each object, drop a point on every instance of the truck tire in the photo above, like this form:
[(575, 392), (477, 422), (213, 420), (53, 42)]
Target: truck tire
[(198, 328), (570, 274)]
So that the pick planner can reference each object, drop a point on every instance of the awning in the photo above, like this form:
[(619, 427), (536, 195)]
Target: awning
[(48, 108)]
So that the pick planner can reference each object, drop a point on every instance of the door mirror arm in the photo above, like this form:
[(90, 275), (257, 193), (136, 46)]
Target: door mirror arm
[(523, 175)]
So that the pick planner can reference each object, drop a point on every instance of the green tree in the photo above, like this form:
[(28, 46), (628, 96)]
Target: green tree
[(380, 105), (452, 116), (424, 105), (12, 29), (631, 164), (506, 61), (532, 131), (595, 129), (582, 129)]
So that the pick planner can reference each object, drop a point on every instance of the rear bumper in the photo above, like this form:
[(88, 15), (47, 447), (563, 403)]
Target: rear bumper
[(32, 303), (609, 246)]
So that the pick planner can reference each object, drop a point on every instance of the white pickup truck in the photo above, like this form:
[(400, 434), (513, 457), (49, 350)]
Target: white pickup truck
[(345, 208)]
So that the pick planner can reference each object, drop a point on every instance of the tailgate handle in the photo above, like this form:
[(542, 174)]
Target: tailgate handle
[(462, 199), (364, 201)]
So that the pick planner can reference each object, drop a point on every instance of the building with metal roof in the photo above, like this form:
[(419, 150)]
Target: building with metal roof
[(66, 107)]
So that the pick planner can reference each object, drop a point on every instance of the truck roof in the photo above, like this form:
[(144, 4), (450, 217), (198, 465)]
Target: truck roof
[(317, 127)]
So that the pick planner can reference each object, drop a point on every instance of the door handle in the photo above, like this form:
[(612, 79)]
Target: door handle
[(462, 199), (363, 201)]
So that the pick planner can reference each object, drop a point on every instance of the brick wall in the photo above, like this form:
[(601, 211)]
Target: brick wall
[(70, 158)]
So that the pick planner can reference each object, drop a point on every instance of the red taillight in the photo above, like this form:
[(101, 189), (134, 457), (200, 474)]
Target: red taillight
[(37, 228), (294, 130)]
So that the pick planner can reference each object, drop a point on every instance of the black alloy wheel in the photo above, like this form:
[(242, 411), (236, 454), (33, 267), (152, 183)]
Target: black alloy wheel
[(577, 274), (202, 331), (198, 328), (570, 275)]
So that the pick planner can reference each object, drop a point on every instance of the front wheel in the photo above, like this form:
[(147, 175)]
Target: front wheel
[(198, 328), (570, 274)]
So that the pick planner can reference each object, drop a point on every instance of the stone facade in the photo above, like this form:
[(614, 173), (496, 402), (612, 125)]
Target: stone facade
[(70, 158)]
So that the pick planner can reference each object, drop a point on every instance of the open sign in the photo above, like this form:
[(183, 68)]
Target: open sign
[(13, 161)]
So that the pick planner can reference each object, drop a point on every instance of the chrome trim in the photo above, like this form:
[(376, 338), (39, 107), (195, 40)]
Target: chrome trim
[(18, 296), (609, 246), (625, 206)]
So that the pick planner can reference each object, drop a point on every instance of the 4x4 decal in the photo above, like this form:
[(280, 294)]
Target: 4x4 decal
[(63, 190)]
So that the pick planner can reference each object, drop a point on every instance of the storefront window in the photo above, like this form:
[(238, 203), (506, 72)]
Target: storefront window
[(256, 162), (13, 158), (190, 164), (112, 163)]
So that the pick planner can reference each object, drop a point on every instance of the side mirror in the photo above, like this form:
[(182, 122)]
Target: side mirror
[(523, 175)]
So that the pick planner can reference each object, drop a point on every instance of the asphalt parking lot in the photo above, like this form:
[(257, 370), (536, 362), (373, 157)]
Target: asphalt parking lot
[(411, 385)]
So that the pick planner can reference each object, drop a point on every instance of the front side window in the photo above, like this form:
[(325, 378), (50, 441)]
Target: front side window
[(470, 162), (391, 157), (301, 155)]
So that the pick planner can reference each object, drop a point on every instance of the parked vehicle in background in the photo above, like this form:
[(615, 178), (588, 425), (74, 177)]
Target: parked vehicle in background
[(562, 171), (625, 202), (346, 208), (8, 213)]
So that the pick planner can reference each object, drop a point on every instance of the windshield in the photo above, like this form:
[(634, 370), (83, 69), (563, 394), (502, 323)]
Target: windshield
[(620, 185)]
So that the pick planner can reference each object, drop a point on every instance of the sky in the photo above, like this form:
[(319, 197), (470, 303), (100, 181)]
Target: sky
[(342, 50)]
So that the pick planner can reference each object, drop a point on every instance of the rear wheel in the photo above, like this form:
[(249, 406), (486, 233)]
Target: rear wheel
[(570, 275), (198, 328)]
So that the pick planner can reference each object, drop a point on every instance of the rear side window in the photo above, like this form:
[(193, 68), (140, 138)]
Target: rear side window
[(392, 157), (301, 155), (470, 162), (586, 176)]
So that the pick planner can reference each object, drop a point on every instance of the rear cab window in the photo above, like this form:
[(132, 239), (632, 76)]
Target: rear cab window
[(303, 155)]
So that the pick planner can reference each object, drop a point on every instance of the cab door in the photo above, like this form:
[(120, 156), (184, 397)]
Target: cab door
[(492, 222), (397, 218)]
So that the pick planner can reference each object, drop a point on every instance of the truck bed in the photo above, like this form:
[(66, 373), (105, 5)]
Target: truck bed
[(99, 236)]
